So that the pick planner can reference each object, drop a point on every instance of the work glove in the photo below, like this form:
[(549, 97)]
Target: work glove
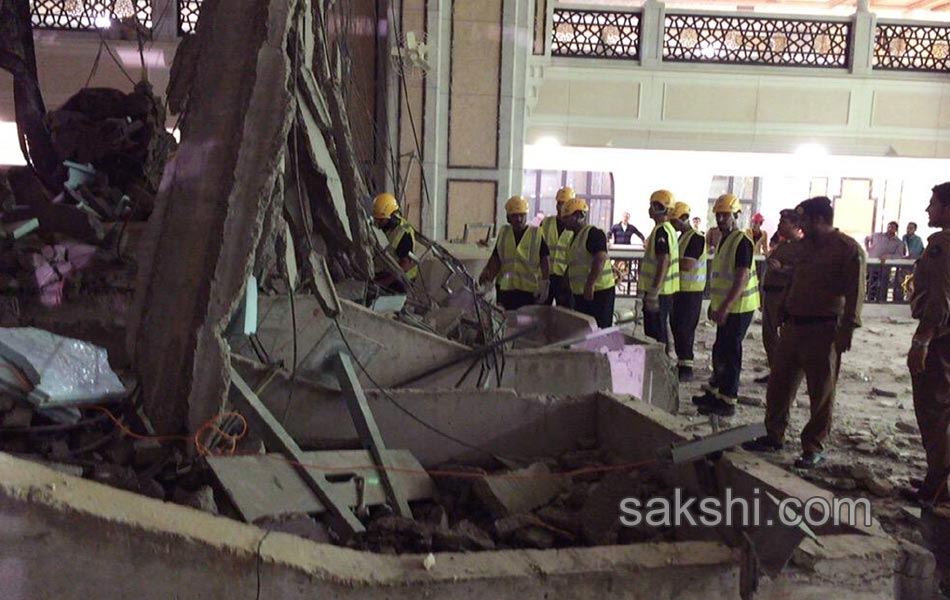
[(544, 288)]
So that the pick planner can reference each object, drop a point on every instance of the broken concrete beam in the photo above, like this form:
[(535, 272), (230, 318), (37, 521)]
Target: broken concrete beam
[(521, 491), (209, 210)]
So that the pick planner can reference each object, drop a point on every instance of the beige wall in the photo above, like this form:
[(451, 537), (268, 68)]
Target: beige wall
[(475, 84), (469, 202), (599, 104)]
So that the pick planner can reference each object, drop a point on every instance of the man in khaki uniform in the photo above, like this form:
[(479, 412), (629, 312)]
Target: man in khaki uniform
[(929, 356), (781, 263), (822, 309)]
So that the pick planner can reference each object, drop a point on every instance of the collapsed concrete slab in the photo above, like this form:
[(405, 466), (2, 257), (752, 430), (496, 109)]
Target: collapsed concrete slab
[(121, 542), (209, 211), (393, 352)]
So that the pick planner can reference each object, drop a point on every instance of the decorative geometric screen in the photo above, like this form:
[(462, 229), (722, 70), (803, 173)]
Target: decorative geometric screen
[(88, 14), (188, 15), (755, 40), (595, 33), (912, 47)]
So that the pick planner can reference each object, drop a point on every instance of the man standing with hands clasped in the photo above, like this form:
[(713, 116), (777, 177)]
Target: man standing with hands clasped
[(929, 356)]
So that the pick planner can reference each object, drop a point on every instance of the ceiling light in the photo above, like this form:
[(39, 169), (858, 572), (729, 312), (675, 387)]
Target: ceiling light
[(548, 141)]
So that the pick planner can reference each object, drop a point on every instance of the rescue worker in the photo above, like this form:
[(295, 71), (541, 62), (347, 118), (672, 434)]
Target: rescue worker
[(558, 239), (520, 261), (659, 270), (402, 239), (688, 301), (759, 237), (929, 355), (780, 264), (589, 269), (822, 309), (733, 300)]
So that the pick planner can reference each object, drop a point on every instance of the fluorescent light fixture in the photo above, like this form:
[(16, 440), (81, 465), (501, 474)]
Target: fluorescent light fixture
[(548, 141), (811, 150)]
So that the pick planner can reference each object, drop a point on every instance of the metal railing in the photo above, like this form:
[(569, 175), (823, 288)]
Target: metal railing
[(884, 278), (908, 47), (88, 15), (595, 33), (748, 40)]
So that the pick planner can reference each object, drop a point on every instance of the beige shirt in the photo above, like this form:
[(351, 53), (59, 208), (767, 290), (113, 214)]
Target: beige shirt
[(829, 280), (930, 301)]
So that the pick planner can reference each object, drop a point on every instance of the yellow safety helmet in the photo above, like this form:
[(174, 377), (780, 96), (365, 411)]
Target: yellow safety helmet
[(565, 193), (679, 210), (516, 205), (663, 197), (727, 203), (384, 205), (573, 205)]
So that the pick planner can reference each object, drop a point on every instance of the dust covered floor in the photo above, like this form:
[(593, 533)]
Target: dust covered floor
[(874, 449)]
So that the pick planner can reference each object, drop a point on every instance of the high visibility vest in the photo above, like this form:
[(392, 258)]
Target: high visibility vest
[(559, 245), (579, 262), (395, 235), (695, 280), (651, 263), (521, 262), (723, 275)]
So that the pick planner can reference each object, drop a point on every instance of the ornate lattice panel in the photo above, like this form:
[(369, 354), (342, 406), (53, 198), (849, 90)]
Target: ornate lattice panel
[(188, 15), (595, 33), (88, 14), (756, 40), (912, 47)]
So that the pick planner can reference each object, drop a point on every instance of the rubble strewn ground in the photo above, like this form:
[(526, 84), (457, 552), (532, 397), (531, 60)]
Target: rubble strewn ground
[(874, 449)]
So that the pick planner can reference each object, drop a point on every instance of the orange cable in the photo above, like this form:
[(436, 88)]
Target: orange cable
[(233, 439)]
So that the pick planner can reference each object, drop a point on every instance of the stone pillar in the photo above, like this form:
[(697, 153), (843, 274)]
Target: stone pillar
[(471, 116), (651, 33), (864, 23)]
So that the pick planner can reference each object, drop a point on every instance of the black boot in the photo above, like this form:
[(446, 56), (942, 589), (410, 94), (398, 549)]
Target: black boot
[(763, 444)]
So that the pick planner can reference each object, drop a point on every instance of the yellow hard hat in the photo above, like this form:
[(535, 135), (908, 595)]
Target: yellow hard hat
[(573, 205), (679, 210), (565, 193), (516, 205), (384, 205), (727, 203), (664, 197)]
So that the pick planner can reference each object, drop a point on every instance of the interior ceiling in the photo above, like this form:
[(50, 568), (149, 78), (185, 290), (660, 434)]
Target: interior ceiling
[(934, 9)]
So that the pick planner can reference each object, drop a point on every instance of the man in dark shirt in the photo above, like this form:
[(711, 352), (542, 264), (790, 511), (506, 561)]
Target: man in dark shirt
[(733, 300), (623, 231), (688, 301), (589, 271)]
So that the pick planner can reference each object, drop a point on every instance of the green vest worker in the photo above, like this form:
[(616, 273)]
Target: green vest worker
[(402, 239), (659, 270), (589, 269), (520, 262), (734, 298), (688, 302), (558, 239)]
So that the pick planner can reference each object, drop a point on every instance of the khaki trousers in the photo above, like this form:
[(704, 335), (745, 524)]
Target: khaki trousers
[(932, 405), (809, 351)]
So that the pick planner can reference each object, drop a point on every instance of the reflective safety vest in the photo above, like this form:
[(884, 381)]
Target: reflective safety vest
[(579, 261), (723, 275), (395, 236), (695, 280), (521, 262), (559, 245), (651, 263)]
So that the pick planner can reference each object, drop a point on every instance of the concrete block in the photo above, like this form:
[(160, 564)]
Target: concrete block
[(504, 497)]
